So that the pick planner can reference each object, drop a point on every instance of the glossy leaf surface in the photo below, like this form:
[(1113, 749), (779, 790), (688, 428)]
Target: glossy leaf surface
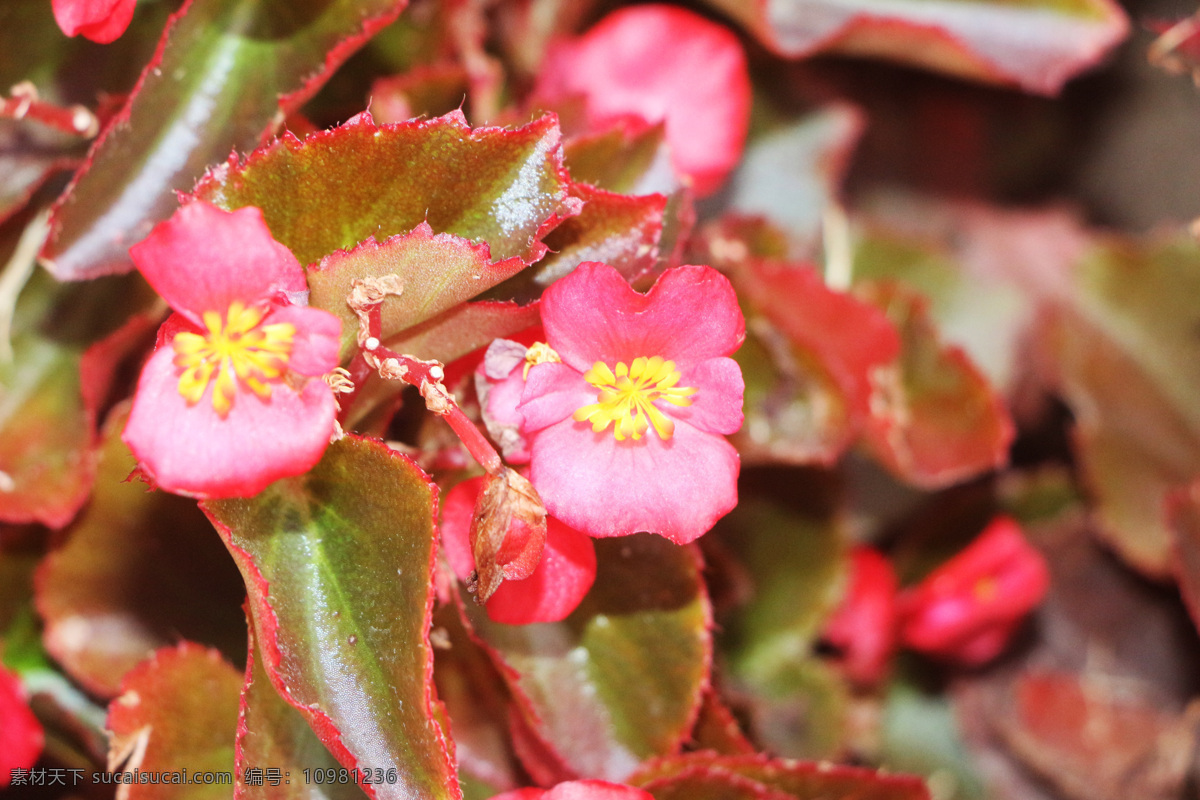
[(505, 188), (225, 72), (338, 564), (620, 679), (1037, 46)]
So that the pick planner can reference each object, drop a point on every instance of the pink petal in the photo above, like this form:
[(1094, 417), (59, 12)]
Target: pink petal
[(203, 259), (562, 578), (498, 399), (191, 450), (522, 794), (102, 21), (664, 64), (317, 341), (596, 790), (603, 487), (552, 393), (21, 735), (717, 406), (689, 315)]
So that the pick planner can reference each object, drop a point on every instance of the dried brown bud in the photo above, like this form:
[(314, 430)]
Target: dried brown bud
[(508, 531)]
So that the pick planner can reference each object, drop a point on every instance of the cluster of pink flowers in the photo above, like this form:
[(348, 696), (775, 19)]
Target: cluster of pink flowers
[(964, 612)]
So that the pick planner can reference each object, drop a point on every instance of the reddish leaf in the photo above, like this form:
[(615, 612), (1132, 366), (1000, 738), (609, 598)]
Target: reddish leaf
[(1092, 740), (1120, 347), (193, 104), (620, 679), (138, 570), (429, 90), (177, 711), (627, 156), (1184, 517), (935, 420), (717, 729), (1035, 46), (505, 188), (707, 774), (615, 229), (338, 564), (438, 272), (272, 734)]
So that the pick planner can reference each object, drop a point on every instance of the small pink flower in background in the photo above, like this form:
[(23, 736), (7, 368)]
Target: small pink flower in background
[(230, 400), (626, 432), (664, 64), (579, 790), (968, 609), (21, 735), (101, 21), (562, 578), (864, 626)]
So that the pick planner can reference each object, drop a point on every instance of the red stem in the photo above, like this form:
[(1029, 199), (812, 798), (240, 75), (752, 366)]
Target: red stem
[(24, 104)]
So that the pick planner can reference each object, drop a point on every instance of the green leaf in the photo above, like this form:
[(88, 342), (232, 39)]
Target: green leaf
[(921, 734), (707, 776), (1035, 44), (624, 157), (225, 74), (338, 565), (505, 188), (138, 570), (935, 420), (177, 711), (620, 680), (272, 734), (438, 272), (1122, 350)]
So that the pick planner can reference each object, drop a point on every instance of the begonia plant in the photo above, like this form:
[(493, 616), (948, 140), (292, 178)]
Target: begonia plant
[(577, 400)]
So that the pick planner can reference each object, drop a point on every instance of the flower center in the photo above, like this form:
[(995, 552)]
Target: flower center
[(234, 349), (627, 397)]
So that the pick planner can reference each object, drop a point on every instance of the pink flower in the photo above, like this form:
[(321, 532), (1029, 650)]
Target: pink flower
[(21, 736), (968, 609), (226, 403), (664, 64), (626, 432), (560, 581), (101, 21), (579, 790), (864, 626)]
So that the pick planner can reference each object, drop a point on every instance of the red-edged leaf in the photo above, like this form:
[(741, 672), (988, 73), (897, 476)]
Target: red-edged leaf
[(618, 230), (935, 420), (1121, 348), (177, 711), (138, 570), (338, 564), (506, 188), (438, 271), (429, 90), (273, 735), (707, 773), (477, 702), (52, 387), (225, 72), (627, 156), (717, 729), (1037, 46), (620, 679)]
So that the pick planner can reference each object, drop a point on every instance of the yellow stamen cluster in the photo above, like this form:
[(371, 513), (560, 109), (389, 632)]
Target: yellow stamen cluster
[(234, 349), (627, 397)]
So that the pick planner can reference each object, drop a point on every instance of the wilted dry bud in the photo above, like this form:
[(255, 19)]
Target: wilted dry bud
[(508, 531)]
